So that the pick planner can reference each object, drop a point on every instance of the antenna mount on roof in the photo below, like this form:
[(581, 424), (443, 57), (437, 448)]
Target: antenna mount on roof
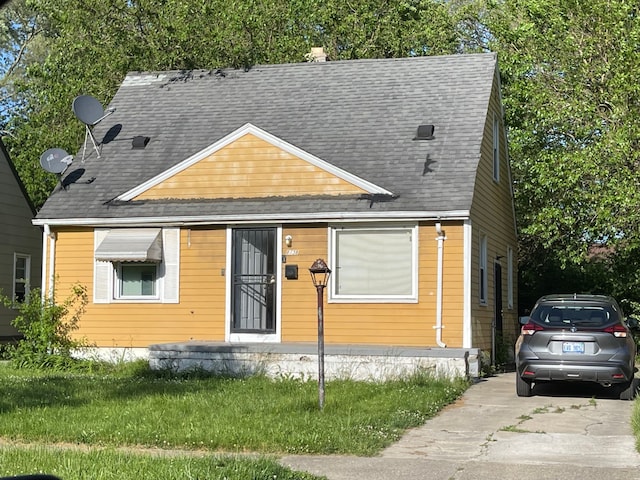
[(90, 112)]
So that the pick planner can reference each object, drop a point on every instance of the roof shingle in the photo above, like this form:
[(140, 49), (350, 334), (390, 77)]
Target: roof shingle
[(360, 116)]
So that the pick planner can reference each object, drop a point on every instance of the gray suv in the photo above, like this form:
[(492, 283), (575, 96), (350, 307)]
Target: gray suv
[(577, 338)]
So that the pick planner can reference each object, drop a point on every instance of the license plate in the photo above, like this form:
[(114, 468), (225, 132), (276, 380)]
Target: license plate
[(573, 347)]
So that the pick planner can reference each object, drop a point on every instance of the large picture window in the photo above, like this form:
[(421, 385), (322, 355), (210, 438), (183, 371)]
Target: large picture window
[(371, 263)]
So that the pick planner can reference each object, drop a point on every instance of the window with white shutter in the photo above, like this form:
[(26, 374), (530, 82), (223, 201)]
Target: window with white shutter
[(136, 265)]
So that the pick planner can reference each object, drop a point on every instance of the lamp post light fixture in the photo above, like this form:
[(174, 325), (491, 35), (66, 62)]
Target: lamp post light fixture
[(320, 274)]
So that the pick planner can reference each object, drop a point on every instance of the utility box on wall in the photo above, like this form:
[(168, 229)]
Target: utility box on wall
[(291, 272)]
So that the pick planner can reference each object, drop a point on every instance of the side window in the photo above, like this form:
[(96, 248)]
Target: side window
[(509, 277), (483, 270), (496, 148), (21, 276)]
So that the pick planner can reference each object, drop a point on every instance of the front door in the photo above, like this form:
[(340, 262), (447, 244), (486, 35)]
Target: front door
[(253, 281)]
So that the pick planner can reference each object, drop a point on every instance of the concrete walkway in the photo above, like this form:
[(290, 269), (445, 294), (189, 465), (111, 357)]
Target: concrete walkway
[(562, 432)]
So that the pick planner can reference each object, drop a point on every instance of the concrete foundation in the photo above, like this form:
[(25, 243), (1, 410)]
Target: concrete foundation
[(369, 363)]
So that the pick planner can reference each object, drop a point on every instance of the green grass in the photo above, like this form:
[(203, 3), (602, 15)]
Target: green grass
[(254, 414), (107, 464), (635, 422)]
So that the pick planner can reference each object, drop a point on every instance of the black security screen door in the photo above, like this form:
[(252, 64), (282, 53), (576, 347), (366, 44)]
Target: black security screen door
[(254, 280)]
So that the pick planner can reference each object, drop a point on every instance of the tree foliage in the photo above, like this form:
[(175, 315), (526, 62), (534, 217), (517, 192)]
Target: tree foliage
[(568, 71), (572, 103), (91, 45)]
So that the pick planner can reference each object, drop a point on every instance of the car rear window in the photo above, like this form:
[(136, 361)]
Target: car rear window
[(576, 315)]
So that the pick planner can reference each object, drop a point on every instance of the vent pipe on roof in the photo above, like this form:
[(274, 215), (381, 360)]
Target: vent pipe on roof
[(317, 54)]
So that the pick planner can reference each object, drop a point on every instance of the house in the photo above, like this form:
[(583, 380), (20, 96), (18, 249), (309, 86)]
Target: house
[(20, 244), (207, 195)]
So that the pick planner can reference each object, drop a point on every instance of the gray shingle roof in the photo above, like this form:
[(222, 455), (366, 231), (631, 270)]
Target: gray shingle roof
[(360, 116)]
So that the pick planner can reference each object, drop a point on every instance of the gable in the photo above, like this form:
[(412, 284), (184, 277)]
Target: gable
[(251, 163), (13, 197)]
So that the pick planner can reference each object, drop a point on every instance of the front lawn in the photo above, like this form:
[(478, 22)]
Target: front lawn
[(219, 414), (136, 408), (99, 464)]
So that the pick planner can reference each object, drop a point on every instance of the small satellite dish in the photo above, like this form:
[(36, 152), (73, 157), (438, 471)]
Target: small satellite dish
[(90, 112), (55, 160)]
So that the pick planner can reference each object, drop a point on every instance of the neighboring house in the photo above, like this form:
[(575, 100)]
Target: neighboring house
[(20, 244), (212, 192)]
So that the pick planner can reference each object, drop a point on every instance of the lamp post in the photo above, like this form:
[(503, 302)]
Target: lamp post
[(320, 276)]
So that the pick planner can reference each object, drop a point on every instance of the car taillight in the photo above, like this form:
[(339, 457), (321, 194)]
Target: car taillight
[(617, 331), (530, 328)]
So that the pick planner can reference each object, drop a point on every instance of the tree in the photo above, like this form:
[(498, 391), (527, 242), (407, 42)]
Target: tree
[(91, 45), (569, 75)]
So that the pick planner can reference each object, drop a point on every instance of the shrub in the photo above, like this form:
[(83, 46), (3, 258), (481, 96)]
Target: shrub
[(46, 329)]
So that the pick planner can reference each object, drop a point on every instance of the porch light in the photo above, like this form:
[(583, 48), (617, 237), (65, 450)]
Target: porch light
[(320, 274)]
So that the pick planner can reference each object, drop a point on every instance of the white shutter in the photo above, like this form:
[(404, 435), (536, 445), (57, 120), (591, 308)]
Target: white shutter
[(170, 265), (102, 272)]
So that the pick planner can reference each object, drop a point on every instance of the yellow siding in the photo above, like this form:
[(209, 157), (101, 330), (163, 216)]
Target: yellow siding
[(250, 168), (200, 315), (397, 324), (492, 215)]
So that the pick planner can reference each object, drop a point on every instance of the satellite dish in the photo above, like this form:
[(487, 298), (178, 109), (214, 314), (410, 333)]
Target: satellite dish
[(90, 112), (55, 160)]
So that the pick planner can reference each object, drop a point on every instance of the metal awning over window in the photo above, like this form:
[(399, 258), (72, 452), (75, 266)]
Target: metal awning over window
[(131, 245)]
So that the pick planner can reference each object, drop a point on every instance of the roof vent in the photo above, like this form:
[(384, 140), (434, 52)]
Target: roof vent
[(139, 142), (425, 132)]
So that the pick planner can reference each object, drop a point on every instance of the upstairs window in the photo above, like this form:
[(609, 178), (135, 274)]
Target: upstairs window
[(496, 148)]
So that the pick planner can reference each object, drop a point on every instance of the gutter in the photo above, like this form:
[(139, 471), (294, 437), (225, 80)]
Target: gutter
[(321, 217)]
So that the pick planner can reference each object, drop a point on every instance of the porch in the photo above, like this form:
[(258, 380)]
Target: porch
[(300, 360)]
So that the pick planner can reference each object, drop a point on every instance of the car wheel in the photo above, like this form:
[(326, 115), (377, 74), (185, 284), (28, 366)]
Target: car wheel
[(628, 390), (523, 387)]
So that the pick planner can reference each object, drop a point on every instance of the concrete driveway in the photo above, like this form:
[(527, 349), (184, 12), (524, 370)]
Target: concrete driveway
[(562, 432)]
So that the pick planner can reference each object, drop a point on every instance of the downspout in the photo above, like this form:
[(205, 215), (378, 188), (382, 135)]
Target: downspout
[(43, 280), (47, 287), (440, 239)]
